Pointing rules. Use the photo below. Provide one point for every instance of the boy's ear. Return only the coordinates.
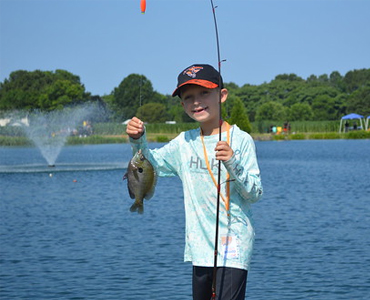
(224, 94)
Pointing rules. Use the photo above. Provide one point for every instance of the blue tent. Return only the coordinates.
(367, 123)
(352, 117)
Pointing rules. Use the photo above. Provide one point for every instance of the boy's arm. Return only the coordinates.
(164, 159)
(135, 128)
(140, 143)
(244, 172)
(137, 135)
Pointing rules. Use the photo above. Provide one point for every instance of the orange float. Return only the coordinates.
(143, 6)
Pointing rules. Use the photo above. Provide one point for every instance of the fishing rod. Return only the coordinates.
(219, 162)
(143, 8)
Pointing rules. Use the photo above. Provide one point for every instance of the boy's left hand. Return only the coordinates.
(223, 151)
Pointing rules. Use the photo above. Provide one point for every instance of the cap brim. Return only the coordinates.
(201, 82)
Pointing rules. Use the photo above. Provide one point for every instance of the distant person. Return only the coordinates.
(354, 126)
(285, 127)
(192, 156)
(346, 126)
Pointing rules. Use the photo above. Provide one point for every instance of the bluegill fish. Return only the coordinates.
(141, 181)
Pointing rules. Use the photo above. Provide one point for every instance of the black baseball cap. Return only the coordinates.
(199, 74)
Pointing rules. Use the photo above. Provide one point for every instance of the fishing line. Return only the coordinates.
(143, 7)
(219, 162)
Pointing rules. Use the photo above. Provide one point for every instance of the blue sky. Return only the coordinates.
(104, 41)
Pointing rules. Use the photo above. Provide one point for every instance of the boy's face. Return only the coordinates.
(201, 104)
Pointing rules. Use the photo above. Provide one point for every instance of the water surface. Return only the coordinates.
(67, 233)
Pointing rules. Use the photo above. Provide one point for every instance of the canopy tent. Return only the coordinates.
(367, 123)
(351, 117)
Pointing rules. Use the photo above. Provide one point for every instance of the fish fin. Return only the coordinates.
(134, 171)
(150, 193)
(132, 195)
(139, 207)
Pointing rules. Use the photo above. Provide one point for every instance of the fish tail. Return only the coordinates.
(139, 207)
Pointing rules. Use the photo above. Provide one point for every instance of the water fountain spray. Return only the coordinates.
(49, 130)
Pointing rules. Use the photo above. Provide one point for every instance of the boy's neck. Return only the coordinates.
(209, 129)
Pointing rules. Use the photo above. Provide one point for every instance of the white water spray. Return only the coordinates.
(49, 130)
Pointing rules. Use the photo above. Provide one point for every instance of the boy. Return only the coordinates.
(193, 156)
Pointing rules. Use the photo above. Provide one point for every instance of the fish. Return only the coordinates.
(141, 181)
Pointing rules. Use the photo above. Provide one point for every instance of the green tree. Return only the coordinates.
(355, 79)
(289, 77)
(312, 79)
(324, 108)
(359, 101)
(300, 112)
(239, 115)
(271, 111)
(307, 93)
(43, 90)
(336, 81)
(134, 91)
(324, 78)
(251, 96)
(59, 94)
(152, 113)
(231, 87)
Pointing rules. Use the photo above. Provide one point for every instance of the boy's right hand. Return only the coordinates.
(135, 128)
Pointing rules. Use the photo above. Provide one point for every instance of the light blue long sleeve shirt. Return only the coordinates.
(184, 157)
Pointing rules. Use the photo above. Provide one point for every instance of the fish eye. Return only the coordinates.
(140, 170)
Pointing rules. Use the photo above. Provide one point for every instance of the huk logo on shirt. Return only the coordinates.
(197, 163)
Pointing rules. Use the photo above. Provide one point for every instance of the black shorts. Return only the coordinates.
(230, 283)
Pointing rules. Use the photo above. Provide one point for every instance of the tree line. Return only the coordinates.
(286, 97)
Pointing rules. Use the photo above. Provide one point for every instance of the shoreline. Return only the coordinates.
(11, 141)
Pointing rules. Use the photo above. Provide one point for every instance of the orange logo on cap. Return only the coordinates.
(192, 71)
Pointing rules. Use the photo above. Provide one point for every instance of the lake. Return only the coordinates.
(67, 232)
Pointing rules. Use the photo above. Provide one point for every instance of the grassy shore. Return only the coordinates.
(166, 137)
(109, 133)
(360, 134)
